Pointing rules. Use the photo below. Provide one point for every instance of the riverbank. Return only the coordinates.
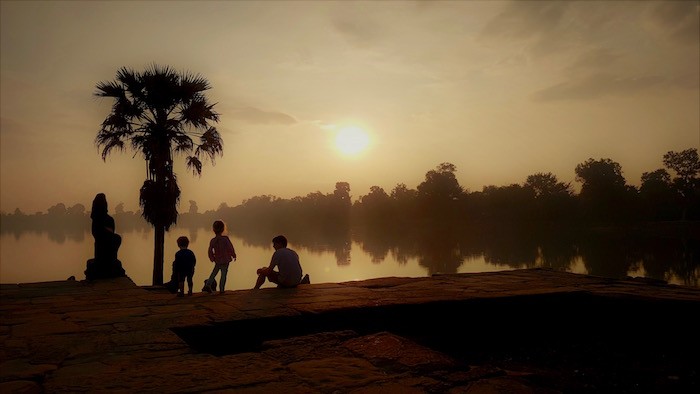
(528, 330)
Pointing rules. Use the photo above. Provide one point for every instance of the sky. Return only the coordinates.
(500, 89)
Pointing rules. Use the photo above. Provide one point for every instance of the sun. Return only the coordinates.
(351, 140)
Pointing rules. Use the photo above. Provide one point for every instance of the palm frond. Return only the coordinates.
(193, 84)
(210, 144)
(142, 143)
(109, 89)
(108, 144)
(194, 164)
(131, 81)
(197, 112)
(183, 143)
(161, 88)
(115, 122)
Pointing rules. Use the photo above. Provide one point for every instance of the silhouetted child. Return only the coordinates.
(183, 266)
(221, 253)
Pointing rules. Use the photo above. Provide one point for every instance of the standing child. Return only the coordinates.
(221, 253)
(183, 266)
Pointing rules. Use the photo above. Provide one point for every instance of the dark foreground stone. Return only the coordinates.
(526, 331)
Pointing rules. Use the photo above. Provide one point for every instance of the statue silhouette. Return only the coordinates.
(105, 263)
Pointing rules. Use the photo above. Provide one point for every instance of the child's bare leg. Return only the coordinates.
(181, 289)
(260, 281)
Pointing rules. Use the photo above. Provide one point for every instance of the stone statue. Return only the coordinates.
(105, 264)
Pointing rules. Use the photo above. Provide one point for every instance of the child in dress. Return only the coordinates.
(221, 253)
(183, 266)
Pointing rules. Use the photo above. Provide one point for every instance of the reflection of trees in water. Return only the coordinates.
(439, 252)
(342, 253)
(513, 248)
(558, 251)
(688, 266)
(669, 253)
(608, 255)
(435, 249)
(313, 239)
(664, 258)
(376, 243)
(58, 228)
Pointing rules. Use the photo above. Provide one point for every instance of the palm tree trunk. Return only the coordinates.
(158, 255)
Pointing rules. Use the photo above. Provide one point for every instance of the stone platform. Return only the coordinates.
(523, 331)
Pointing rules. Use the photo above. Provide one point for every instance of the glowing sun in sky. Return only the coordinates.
(351, 140)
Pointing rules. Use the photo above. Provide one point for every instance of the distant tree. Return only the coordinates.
(658, 196)
(553, 199)
(686, 165)
(441, 183)
(57, 210)
(401, 192)
(375, 208)
(160, 113)
(599, 176)
(438, 196)
(604, 192)
(339, 210)
(658, 177)
(376, 194)
(404, 202)
(508, 203)
(439, 193)
(342, 193)
(77, 210)
(223, 211)
(546, 185)
(193, 207)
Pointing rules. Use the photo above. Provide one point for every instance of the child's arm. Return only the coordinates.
(210, 251)
(233, 250)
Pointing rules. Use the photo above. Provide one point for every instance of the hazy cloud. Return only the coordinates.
(525, 19)
(595, 59)
(356, 28)
(555, 27)
(600, 85)
(679, 19)
(543, 27)
(258, 116)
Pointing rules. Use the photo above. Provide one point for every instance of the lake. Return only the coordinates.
(41, 256)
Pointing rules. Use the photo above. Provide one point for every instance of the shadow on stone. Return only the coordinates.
(617, 342)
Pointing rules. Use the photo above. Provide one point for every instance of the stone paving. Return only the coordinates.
(372, 336)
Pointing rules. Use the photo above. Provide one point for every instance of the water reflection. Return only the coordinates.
(606, 254)
(362, 253)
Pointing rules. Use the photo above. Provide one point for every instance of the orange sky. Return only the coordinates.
(500, 89)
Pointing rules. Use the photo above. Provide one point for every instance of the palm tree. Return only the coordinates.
(160, 113)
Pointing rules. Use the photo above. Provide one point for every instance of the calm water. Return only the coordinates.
(36, 257)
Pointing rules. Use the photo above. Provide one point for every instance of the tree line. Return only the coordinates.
(667, 194)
